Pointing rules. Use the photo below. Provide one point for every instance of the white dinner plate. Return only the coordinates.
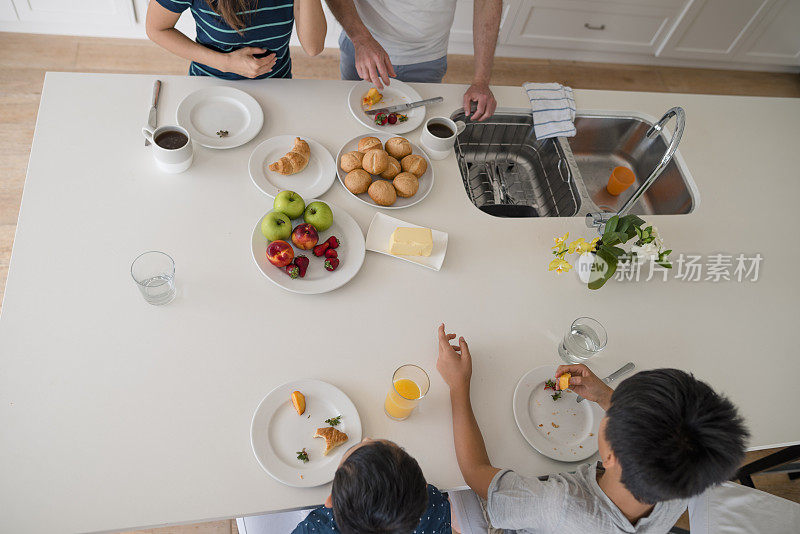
(351, 253)
(278, 433)
(564, 429)
(425, 181)
(394, 94)
(380, 233)
(208, 111)
(313, 181)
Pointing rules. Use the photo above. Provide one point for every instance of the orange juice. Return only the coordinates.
(402, 398)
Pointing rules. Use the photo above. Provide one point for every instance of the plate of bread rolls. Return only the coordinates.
(296, 163)
(385, 171)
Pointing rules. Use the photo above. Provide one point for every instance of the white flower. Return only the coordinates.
(648, 251)
(657, 238)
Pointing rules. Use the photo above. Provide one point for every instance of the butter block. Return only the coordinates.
(411, 242)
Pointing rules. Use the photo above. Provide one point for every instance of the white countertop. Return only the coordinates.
(117, 414)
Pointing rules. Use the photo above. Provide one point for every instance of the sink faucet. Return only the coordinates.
(598, 219)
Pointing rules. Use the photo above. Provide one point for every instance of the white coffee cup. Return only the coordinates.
(172, 160)
(436, 146)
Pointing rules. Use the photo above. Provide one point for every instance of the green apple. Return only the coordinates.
(319, 215)
(276, 225)
(290, 203)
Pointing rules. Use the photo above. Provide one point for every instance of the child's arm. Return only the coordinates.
(311, 25)
(456, 370)
(586, 384)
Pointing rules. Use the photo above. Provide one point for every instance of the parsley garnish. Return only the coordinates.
(556, 395)
(303, 455)
(333, 421)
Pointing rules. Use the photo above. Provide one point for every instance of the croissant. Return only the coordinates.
(295, 160)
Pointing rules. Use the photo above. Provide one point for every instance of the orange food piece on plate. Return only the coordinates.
(563, 381)
(299, 401)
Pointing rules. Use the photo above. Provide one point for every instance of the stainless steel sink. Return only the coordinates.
(508, 173)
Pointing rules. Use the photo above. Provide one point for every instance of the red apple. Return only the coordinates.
(305, 236)
(280, 253)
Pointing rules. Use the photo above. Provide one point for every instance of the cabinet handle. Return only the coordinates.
(590, 27)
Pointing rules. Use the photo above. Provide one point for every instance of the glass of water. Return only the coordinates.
(585, 338)
(154, 273)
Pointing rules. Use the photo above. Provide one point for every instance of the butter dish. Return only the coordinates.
(380, 233)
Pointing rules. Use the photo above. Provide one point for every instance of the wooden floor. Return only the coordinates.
(25, 58)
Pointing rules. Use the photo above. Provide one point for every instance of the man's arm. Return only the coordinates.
(372, 61)
(455, 366)
(485, 26)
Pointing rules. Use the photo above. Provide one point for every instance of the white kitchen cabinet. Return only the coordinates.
(619, 26)
(461, 31)
(7, 11)
(80, 12)
(776, 39)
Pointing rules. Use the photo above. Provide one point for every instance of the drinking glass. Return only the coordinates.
(586, 337)
(154, 273)
(409, 384)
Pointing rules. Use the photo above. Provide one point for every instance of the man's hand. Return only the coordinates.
(244, 63)
(480, 93)
(586, 384)
(372, 62)
(455, 362)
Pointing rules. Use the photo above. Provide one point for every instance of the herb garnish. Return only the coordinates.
(222, 133)
(303, 455)
(550, 384)
(333, 421)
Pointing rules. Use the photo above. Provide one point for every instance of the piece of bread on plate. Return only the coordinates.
(333, 438)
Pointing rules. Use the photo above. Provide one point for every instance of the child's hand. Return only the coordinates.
(586, 384)
(455, 362)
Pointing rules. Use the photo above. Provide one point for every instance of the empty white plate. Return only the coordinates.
(562, 429)
(351, 253)
(278, 433)
(425, 181)
(313, 181)
(380, 232)
(220, 108)
(394, 94)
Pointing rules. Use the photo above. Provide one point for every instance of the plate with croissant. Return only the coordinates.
(363, 96)
(385, 171)
(296, 163)
(300, 431)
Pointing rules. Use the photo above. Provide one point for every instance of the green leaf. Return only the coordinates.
(611, 225)
(611, 261)
(616, 251)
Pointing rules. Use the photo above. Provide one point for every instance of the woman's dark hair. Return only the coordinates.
(231, 11)
(672, 435)
(378, 489)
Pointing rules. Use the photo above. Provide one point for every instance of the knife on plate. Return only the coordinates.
(403, 107)
(151, 118)
(628, 367)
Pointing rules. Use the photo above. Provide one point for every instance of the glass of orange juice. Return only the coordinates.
(409, 384)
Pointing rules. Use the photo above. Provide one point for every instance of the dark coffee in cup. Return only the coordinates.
(440, 130)
(171, 140)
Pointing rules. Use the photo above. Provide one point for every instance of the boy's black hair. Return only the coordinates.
(672, 435)
(379, 489)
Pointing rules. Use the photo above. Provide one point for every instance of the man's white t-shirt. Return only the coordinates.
(411, 31)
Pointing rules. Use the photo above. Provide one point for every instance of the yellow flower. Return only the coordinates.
(582, 247)
(560, 241)
(559, 265)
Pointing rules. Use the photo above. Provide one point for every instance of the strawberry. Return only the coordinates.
(330, 253)
(302, 264)
(292, 270)
(319, 250)
(331, 264)
(333, 241)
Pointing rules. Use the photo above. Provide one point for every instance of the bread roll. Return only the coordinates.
(414, 164)
(368, 143)
(398, 147)
(357, 181)
(375, 161)
(351, 161)
(392, 168)
(406, 184)
(382, 193)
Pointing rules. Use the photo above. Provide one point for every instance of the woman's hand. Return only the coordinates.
(243, 63)
(455, 362)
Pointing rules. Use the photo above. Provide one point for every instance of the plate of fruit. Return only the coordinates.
(364, 97)
(300, 431)
(308, 248)
(385, 170)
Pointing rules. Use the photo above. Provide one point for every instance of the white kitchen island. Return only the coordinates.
(117, 414)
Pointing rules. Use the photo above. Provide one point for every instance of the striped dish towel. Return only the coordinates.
(553, 109)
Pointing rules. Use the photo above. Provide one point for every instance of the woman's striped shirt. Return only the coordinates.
(268, 25)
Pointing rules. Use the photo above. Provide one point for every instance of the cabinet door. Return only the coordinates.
(461, 31)
(776, 41)
(95, 12)
(7, 12)
(713, 29)
(590, 25)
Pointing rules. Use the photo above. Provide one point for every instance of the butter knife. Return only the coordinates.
(152, 119)
(403, 107)
(625, 369)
